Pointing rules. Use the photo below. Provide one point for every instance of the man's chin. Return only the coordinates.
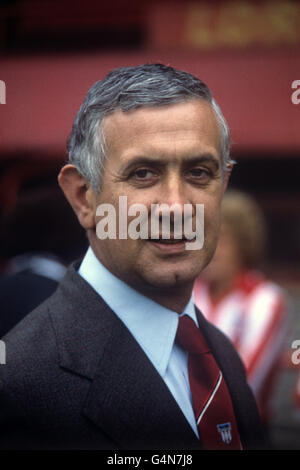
(168, 280)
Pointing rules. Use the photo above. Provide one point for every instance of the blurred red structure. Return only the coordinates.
(252, 87)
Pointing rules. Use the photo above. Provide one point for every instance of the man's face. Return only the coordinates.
(161, 155)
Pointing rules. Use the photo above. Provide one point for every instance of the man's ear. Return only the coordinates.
(227, 176)
(79, 194)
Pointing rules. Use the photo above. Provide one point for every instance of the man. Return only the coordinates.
(99, 365)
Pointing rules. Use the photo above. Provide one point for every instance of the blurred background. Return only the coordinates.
(248, 52)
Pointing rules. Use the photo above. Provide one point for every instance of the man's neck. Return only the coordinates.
(174, 298)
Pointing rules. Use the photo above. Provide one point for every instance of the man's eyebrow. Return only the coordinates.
(205, 158)
(142, 161)
(188, 161)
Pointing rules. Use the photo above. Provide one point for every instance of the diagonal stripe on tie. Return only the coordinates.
(211, 399)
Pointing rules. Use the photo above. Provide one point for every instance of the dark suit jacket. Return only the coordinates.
(75, 378)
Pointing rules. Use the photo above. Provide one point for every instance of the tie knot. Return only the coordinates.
(190, 337)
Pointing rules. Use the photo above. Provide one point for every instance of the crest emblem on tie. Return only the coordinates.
(225, 430)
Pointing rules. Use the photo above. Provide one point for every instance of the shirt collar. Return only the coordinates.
(152, 325)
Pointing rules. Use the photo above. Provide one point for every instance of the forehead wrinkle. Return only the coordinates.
(153, 153)
(166, 139)
(159, 146)
(145, 118)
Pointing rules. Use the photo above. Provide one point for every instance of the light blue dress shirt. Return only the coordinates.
(152, 325)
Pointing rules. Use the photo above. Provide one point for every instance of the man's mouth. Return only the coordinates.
(171, 239)
(165, 241)
(170, 245)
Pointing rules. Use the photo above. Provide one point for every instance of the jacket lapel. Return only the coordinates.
(127, 399)
(131, 402)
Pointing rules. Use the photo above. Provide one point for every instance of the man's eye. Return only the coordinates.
(143, 177)
(199, 173)
(199, 176)
(142, 174)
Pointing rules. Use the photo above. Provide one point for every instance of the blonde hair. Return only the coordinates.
(245, 220)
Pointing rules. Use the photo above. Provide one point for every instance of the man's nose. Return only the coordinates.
(173, 192)
(173, 199)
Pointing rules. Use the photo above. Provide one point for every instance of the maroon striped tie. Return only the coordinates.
(211, 400)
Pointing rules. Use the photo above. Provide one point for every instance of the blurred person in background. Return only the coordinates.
(235, 295)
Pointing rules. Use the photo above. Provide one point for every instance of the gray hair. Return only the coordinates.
(129, 88)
